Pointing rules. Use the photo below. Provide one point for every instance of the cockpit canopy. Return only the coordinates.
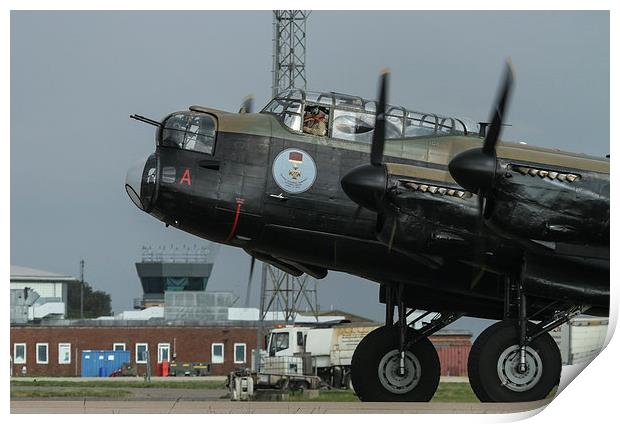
(353, 118)
(189, 130)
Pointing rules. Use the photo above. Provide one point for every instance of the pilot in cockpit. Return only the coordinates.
(315, 121)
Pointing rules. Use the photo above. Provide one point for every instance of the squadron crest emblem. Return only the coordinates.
(294, 170)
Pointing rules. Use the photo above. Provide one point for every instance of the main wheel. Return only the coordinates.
(493, 365)
(375, 368)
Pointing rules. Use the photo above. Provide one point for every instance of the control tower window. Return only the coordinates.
(189, 131)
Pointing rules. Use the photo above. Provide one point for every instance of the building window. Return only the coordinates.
(141, 353)
(239, 353)
(217, 353)
(118, 346)
(19, 353)
(163, 352)
(64, 353)
(42, 351)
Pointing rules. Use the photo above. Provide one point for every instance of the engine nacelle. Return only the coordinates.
(549, 205)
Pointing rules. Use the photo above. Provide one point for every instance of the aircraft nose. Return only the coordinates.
(133, 182)
(141, 182)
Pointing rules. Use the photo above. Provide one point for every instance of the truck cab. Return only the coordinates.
(287, 341)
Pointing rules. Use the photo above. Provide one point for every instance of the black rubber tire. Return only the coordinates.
(486, 351)
(368, 355)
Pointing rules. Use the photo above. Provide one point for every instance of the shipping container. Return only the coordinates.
(102, 363)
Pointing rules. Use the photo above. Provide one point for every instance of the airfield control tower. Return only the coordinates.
(174, 269)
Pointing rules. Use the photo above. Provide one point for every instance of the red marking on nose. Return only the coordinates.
(186, 178)
(233, 229)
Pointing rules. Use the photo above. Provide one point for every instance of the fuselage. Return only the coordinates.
(276, 193)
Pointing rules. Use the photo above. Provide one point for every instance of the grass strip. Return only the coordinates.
(121, 384)
(21, 393)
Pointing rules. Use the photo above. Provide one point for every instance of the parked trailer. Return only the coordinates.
(244, 384)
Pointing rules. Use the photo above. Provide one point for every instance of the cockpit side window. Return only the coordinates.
(354, 126)
(289, 112)
(189, 131)
(360, 126)
(316, 120)
(419, 125)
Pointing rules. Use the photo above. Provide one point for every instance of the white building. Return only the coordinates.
(37, 294)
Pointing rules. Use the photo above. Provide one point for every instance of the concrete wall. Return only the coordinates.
(197, 305)
(193, 344)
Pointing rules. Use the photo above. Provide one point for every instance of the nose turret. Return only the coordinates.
(141, 182)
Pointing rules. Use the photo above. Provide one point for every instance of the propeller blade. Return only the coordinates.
(366, 185)
(501, 106)
(474, 169)
(248, 105)
(378, 137)
(247, 292)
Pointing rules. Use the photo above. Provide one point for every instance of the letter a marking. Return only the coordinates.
(186, 178)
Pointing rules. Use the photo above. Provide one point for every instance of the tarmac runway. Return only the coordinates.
(229, 407)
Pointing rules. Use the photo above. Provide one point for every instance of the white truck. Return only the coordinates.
(581, 339)
(299, 354)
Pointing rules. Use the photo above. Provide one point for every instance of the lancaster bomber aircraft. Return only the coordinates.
(438, 211)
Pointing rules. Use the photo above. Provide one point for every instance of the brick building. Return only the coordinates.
(453, 348)
(56, 350)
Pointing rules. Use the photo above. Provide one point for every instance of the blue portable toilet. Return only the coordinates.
(102, 363)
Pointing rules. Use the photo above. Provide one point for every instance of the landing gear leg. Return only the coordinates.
(515, 360)
(389, 305)
(402, 327)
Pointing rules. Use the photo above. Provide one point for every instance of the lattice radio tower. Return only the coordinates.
(289, 50)
(287, 294)
(280, 291)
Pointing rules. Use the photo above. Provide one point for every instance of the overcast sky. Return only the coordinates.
(76, 77)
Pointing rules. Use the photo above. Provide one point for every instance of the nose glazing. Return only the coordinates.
(133, 182)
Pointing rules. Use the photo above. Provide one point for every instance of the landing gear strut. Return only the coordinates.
(396, 363)
(516, 360)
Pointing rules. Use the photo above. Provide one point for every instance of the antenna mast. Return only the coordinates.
(289, 50)
(280, 291)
